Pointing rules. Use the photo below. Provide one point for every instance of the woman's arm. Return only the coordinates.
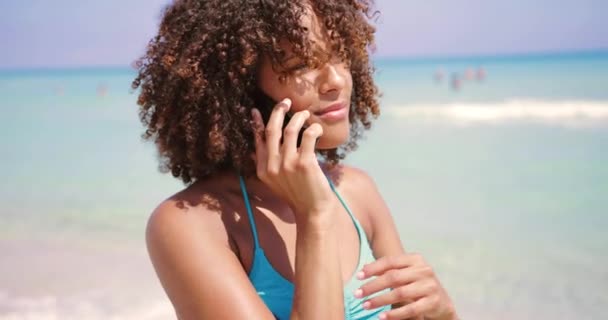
(318, 279)
(202, 276)
(204, 279)
(293, 173)
(394, 266)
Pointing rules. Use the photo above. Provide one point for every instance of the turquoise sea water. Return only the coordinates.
(502, 185)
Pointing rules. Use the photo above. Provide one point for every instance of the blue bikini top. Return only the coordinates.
(277, 292)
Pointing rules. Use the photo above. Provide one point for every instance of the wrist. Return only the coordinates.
(311, 223)
(318, 219)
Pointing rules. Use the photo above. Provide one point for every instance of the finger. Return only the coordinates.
(260, 147)
(392, 279)
(386, 263)
(309, 139)
(274, 131)
(412, 291)
(410, 311)
(290, 134)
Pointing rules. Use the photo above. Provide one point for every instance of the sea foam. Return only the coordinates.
(561, 113)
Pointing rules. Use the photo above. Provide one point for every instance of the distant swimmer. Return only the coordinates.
(469, 74)
(456, 81)
(481, 74)
(439, 75)
(102, 90)
(59, 90)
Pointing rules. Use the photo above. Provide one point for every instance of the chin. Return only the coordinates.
(334, 136)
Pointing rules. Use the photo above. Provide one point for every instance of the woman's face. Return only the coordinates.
(315, 90)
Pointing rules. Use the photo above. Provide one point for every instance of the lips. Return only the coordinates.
(333, 113)
(331, 108)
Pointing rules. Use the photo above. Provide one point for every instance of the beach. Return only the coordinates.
(500, 183)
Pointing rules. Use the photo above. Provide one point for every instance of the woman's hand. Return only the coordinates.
(292, 173)
(415, 289)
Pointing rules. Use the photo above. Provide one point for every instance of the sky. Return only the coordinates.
(76, 33)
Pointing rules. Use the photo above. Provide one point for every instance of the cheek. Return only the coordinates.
(349, 80)
(303, 100)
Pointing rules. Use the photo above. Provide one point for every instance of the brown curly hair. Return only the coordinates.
(198, 76)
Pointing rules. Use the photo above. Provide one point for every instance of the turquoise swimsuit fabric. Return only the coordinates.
(277, 292)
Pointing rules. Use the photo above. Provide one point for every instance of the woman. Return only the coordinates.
(270, 225)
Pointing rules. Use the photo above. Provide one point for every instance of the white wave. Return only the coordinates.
(568, 113)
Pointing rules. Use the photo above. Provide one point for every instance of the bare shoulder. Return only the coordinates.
(358, 178)
(187, 214)
(357, 183)
(358, 189)
(374, 213)
(188, 245)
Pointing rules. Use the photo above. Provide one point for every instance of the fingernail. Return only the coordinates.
(382, 316)
(360, 275)
(358, 293)
(287, 103)
(366, 305)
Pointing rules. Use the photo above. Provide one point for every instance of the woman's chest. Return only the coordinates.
(277, 238)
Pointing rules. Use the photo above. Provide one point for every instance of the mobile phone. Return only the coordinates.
(266, 104)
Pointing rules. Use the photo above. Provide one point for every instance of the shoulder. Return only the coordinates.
(373, 213)
(188, 244)
(360, 191)
(187, 213)
(356, 183)
(359, 178)
(353, 180)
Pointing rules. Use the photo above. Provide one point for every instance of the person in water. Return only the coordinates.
(270, 224)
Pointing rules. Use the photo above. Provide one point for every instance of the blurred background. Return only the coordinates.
(492, 152)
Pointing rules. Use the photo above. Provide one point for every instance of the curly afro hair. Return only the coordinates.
(198, 76)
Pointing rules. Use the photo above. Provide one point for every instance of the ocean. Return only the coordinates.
(495, 170)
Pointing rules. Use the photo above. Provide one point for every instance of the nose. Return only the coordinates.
(332, 78)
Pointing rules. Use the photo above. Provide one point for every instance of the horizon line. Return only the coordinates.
(386, 58)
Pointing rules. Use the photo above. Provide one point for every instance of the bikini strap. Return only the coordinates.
(249, 212)
(333, 188)
(252, 220)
